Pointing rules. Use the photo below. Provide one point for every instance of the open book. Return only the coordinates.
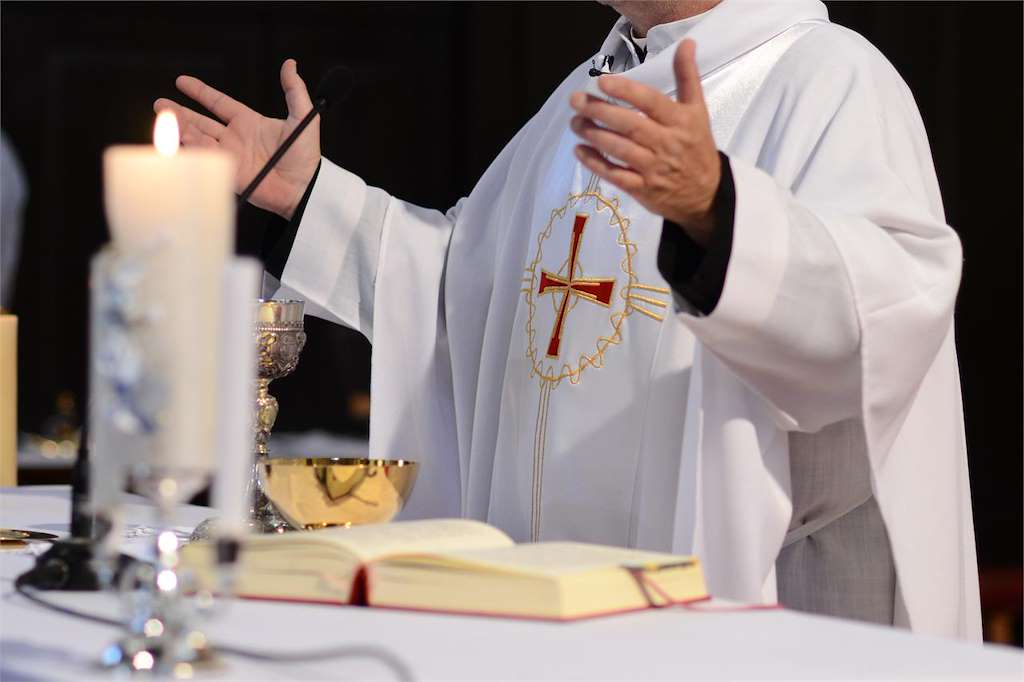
(457, 566)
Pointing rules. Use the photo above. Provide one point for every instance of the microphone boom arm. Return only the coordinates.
(318, 107)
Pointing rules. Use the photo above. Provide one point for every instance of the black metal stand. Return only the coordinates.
(68, 564)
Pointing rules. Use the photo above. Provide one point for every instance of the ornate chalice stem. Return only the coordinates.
(266, 415)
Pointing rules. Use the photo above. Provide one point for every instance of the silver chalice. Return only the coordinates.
(279, 337)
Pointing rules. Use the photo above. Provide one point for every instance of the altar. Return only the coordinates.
(673, 643)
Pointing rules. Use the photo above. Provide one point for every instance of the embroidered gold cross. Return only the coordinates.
(594, 289)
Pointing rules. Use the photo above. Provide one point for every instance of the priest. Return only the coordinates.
(701, 303)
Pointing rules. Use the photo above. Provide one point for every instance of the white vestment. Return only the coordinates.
(528, 352)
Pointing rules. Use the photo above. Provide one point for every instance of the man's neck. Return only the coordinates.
(644, 15)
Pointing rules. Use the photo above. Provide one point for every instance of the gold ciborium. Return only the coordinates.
(320, 492)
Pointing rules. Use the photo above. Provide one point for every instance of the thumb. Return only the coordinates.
(295, 92)
(688, 90)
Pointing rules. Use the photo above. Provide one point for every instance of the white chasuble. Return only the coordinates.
(528, 352)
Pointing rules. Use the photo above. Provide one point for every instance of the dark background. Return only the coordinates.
(441, 87)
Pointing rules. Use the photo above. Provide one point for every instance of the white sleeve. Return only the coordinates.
(334, 260)
(843, 274)
(367, 260)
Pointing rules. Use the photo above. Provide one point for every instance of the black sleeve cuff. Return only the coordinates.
(694, 272)
(279, 236)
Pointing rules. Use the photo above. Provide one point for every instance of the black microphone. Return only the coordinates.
(81, 515)
(601, 64)
(334, 87)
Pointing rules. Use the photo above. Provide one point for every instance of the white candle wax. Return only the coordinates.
(235, 410)
(174, 211)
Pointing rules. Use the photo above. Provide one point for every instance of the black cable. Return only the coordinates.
(381, 655)
(318, 107)
(21, 586)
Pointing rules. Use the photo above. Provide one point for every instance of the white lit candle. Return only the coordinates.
(173, 210)
(163, 194)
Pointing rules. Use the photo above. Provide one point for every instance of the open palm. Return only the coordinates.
(252, 138)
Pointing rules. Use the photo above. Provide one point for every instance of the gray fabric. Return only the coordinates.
(843, 570)
(12, 200)
(836, 558)
(829, 474)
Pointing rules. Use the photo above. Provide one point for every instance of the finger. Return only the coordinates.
(645, 98)
(624, 178)
(688, 89)
(633, 124)
(296, 94)
(192, 136)
(223, 107)
(186, 117)
(612, 144)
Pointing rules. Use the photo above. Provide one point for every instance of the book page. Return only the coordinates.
(553, 558)
(413, 537)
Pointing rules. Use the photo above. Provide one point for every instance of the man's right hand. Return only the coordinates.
(252, 138)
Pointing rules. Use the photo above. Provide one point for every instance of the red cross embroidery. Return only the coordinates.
(593, 289)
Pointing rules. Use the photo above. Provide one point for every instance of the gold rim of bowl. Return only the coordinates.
(343, 461)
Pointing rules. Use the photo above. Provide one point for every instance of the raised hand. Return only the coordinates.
(671, 162)
(252, 138)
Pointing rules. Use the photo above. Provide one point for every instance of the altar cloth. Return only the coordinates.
(38, 644)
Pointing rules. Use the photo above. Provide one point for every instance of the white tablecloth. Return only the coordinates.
(37, 644)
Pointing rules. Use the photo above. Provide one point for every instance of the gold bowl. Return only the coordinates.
(324, 491)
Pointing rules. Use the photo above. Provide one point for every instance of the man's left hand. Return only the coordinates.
(671, 164)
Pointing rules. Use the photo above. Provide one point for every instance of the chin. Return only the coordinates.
(620, 5)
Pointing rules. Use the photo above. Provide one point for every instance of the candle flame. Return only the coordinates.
(165, 133)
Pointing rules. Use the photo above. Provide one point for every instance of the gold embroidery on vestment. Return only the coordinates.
(648, 299)
(647, 287)
(644, 311)
(548, 369)
(539, 438)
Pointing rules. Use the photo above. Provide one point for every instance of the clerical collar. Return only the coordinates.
(658, 38)
(637, 46)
